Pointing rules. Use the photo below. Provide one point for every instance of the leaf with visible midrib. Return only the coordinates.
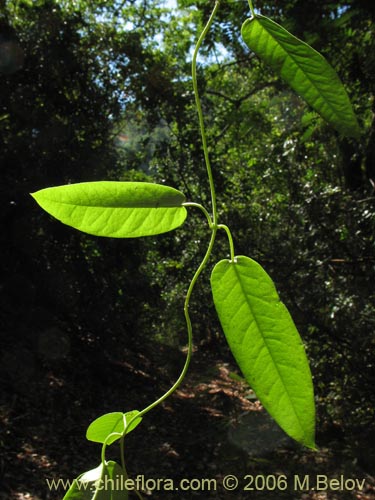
(114, 422)
(115, 209)
(266, 344)
(304, 69)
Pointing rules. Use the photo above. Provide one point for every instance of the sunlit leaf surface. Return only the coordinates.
(304, 69)
(115, 422)
(115, 209)
(265, 344)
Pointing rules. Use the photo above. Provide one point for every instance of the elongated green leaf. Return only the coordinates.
(115, 209)
(115, 422)
(265, 344)
(106, 482)
(304, 69)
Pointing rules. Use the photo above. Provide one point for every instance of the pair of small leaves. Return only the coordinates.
(115, 209)
(266, 344)
(106, 482)
(304, 69)
(110, 427)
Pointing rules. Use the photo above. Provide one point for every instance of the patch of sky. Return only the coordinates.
(113, 15)
(341, 10)
(336, 11)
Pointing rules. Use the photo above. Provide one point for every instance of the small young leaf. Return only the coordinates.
(115, 209)
(104, 425)
(265, 344)
(304, 69)
(114, 422)
(106, 482)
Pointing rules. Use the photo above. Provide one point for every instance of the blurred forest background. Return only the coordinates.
(101, 90)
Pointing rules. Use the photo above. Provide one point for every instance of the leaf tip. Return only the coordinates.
(357, 133)
(310, 443)
(37, 196)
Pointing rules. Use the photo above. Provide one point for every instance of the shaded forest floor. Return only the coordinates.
(210, 428)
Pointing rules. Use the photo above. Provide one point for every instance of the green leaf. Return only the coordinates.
(265, 344)
(105, 425)
(129, 417)
(115, 209)
(114, 422)
(304, 69)
(106, 482)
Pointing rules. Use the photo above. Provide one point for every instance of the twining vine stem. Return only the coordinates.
(200, 113)
(212, 223)
(250, 2)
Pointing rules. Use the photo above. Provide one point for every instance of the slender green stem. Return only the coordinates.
(200, 113)
(190, 332)
(201, 207)
(97, 490)
(103, 452)
(212, 223)
(252, 10)
(105, 444)
(190, 336)
(229, 234)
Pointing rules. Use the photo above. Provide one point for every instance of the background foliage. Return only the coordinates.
(101, 90)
